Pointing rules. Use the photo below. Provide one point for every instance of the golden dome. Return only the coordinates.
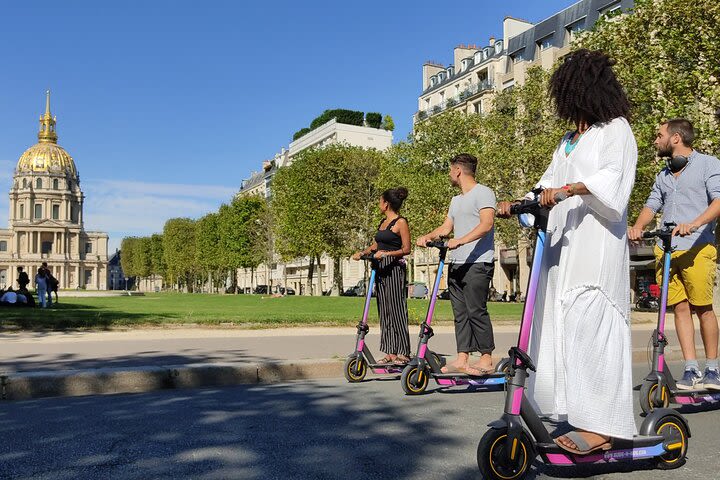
(47, 155)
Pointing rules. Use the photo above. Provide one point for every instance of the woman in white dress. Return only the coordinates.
(581, 328)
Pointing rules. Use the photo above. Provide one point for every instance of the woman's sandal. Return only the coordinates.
(584, 447)
(401, 360)
(386, 360)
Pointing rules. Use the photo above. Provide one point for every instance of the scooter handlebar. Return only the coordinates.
(368, 257)
(532, 206)
(440, 244)
(661, 232)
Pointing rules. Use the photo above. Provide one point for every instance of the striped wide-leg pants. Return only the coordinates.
(391, 293)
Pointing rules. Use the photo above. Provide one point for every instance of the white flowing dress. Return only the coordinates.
(581, 329)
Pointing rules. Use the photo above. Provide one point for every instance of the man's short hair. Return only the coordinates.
(682, 127)
(467, 162)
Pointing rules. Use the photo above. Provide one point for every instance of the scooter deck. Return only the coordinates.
(384, 368)
(639, 447)
(453, 379)
(692, 397)
(465, 375)
(695, 391)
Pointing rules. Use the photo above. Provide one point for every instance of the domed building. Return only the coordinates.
(46, 218)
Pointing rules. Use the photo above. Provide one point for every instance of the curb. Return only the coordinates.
(104, 381)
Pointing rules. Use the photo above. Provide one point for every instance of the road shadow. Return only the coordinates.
(308, 431)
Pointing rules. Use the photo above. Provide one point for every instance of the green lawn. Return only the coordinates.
(248, 311)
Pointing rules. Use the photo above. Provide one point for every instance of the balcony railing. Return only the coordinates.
(473, 90)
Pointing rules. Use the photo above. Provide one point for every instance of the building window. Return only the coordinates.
(56, 184)
(22, 210)
(486, 53)
(38, 210)
(477, 58)
(3, 246)
(74, 214)
(24, 182)
(508, 85)
(498, 47)
(88, 247)
(611, 9)
(38, 183)
(517, 56)
(479, 107)
(545, 43)
(56, 212)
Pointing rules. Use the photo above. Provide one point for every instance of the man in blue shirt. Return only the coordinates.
(688, 193)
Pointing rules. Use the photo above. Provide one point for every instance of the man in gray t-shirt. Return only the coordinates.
(471, 219)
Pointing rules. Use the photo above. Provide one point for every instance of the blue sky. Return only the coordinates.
(167, 105)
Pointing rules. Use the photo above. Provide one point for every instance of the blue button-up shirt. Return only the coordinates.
(683, 198)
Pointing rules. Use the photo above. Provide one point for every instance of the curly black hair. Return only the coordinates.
(585, 88)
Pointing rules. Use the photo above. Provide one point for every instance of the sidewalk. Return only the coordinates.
(35, 364)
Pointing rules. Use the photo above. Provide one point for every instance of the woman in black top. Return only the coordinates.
(392, 243)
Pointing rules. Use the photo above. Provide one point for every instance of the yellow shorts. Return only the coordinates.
(692, 274)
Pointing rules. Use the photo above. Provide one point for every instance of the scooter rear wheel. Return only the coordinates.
(414, 380)
(496, 463)
(673, 430)
(648, 391)
(355, 369)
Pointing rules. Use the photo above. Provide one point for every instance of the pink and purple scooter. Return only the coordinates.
(509, 448)
(358, 362)
(659, 389)
(416, 375)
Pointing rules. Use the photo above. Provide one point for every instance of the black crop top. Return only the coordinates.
(387, 239)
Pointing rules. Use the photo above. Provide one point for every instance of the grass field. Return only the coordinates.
(248, 311)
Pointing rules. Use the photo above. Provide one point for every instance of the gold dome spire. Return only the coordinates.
(47, 132)
(47, 155)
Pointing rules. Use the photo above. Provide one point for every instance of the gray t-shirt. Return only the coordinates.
(465, 214)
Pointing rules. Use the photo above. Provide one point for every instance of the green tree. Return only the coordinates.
(157, 255)
(667, 54)
(236, 223)
(179, 251)
(388, 123)
(208, 253)
(127, 254)
(324, 203)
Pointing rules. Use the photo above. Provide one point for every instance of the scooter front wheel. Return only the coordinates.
(499, 461)
(355, 369)
(648, 394)
(673, 430)
(503, 366)
(414, 380)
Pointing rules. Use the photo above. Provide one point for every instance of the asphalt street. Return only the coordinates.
(306, 430)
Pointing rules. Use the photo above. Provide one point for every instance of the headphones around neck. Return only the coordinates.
(676, 163)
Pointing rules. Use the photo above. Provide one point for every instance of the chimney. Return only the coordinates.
(492, 41)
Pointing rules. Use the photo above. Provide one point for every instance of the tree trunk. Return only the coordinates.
(310, 276)
(337, 277)
(319, 291)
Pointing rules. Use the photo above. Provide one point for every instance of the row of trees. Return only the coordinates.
(324, 203)
(208, 251)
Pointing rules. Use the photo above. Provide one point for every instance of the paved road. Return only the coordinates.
(303, 430)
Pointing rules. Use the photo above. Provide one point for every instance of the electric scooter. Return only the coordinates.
(416, 375)
(659, 388)
(509, 447)
(358, 362)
